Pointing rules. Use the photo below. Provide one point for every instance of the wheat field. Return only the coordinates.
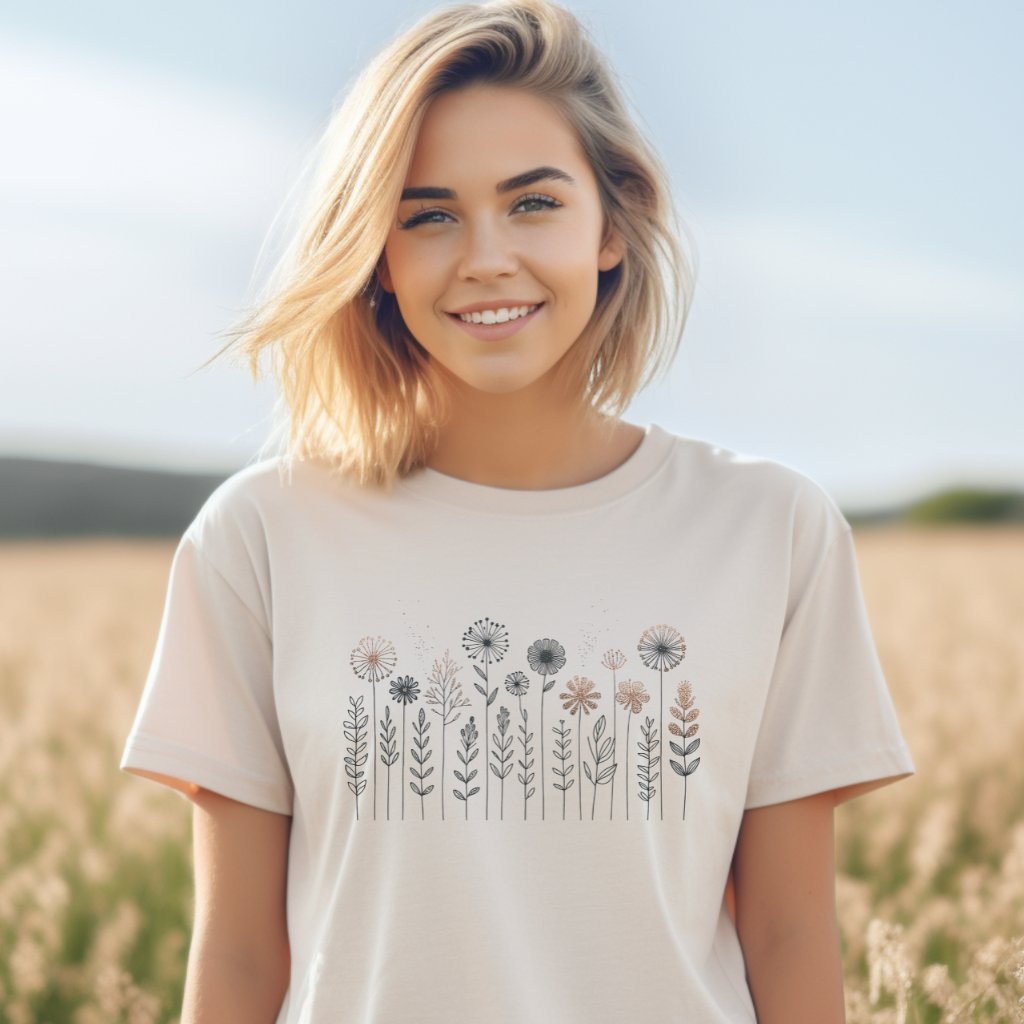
(95, 865)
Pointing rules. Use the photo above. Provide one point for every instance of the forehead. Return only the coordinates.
(488, 133)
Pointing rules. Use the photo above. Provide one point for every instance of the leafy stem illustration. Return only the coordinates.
(388, 750)
(502, 753)
(648, 759)
(421, 728)
(601, 752)
(354, 732)
(466, 756)
(684, 710)
(563, 751)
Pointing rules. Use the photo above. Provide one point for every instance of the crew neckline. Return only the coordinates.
(644, 462)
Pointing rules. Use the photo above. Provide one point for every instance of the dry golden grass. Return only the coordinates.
(95, 875)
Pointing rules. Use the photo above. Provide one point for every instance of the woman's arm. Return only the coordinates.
(784, 877)
(239, 960)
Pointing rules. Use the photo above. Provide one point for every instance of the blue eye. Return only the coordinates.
(427, 216)
(546, 202)
(422, 217)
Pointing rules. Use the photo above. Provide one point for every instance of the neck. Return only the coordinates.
(522, 441)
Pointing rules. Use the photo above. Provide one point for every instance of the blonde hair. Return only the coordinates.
(358, 390)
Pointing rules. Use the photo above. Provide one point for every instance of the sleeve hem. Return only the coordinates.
(887, 763)
(159, 755)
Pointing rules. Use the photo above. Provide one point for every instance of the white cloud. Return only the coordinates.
(133, 202)
(85, 131)
(821, 265)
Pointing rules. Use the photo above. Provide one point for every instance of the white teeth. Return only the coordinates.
(496, 316)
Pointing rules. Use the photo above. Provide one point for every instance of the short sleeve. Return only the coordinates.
(829, 722)
(207, 713)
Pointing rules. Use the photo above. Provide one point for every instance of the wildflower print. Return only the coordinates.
(502, 753)
(419, 743)
(563, 752)
(388, 749)
(601, 752)
(632, 696)
(646, 762)
(353, 730)
(517, 684)
(486, 641)
(445, 693)
(405, 690)
(580, 695)
(662, 648)
(546, 657)
(684, 710)
(466, 755)
(373, 658)
(614, 660)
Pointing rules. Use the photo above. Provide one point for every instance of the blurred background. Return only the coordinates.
(850, 176)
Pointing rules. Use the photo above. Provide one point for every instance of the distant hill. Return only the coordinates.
(48, 498)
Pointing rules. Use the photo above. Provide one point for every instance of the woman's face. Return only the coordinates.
(469, 236)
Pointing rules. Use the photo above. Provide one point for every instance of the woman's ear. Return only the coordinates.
(613, 249)
(384, 275)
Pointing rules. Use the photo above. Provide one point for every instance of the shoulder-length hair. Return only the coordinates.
(358, 391)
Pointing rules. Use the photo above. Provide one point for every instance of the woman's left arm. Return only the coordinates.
(784, 877)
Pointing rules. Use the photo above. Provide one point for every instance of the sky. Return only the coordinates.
(849, 175)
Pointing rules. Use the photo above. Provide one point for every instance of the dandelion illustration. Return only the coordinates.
(580, 694)
(546, 657)
(684, 710)
(601, 752)
(466, 755)
(502, 753)
(445, 693)
(353, 730)
(388, 749)
(563, 751)
(373, 658)
(405, 690)
(632, 696)
(517, 684)
(613, 660)
(646, 762)
(661, 647)
(419, 743)
(486, 641)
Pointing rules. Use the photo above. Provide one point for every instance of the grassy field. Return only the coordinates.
(95, 866)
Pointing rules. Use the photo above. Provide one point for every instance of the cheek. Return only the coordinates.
(411, 272)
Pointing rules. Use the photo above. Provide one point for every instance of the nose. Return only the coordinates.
(486, 253)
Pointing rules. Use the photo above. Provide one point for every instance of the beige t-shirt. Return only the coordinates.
(517, 730)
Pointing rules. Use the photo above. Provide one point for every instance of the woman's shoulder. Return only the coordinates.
(232, 520)
(757, 484)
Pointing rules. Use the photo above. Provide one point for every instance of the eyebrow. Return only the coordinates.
(508, 185)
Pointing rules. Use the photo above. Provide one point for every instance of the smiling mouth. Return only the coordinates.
(498, 315)
(497, 330)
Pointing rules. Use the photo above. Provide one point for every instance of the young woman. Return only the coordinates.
(493, 706)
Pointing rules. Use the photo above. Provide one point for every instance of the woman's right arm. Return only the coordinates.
(239, 961)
